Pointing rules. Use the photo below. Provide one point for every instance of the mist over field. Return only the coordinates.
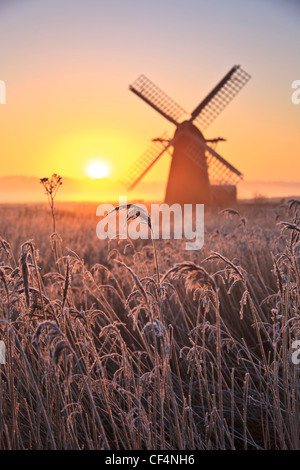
(17, 189)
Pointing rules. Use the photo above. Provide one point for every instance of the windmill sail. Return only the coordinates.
(220, 170)
(143, 164)
(195, 167)
(157, 99)
(220, 97)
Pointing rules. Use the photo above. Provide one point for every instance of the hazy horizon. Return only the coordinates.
(67, 67)
(20, 188)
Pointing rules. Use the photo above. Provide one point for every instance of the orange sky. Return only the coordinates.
(67, 66)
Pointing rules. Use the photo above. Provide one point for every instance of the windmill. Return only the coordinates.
(198, 174)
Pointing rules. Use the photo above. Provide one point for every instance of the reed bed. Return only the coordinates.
(104, 354)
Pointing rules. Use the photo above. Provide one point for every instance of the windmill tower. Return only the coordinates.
(198, 174)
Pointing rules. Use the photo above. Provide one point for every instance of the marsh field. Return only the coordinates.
(102, 353)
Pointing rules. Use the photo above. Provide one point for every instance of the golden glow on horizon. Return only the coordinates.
(65, 120)
(97, 169)
(71, 152)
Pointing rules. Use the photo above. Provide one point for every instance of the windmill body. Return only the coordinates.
(188, 181)
(198, 174)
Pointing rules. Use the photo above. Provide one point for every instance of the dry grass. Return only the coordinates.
(100, 355)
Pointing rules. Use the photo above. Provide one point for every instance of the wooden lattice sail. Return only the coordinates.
(196, 168)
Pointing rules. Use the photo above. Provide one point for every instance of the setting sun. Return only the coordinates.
(97, 169)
